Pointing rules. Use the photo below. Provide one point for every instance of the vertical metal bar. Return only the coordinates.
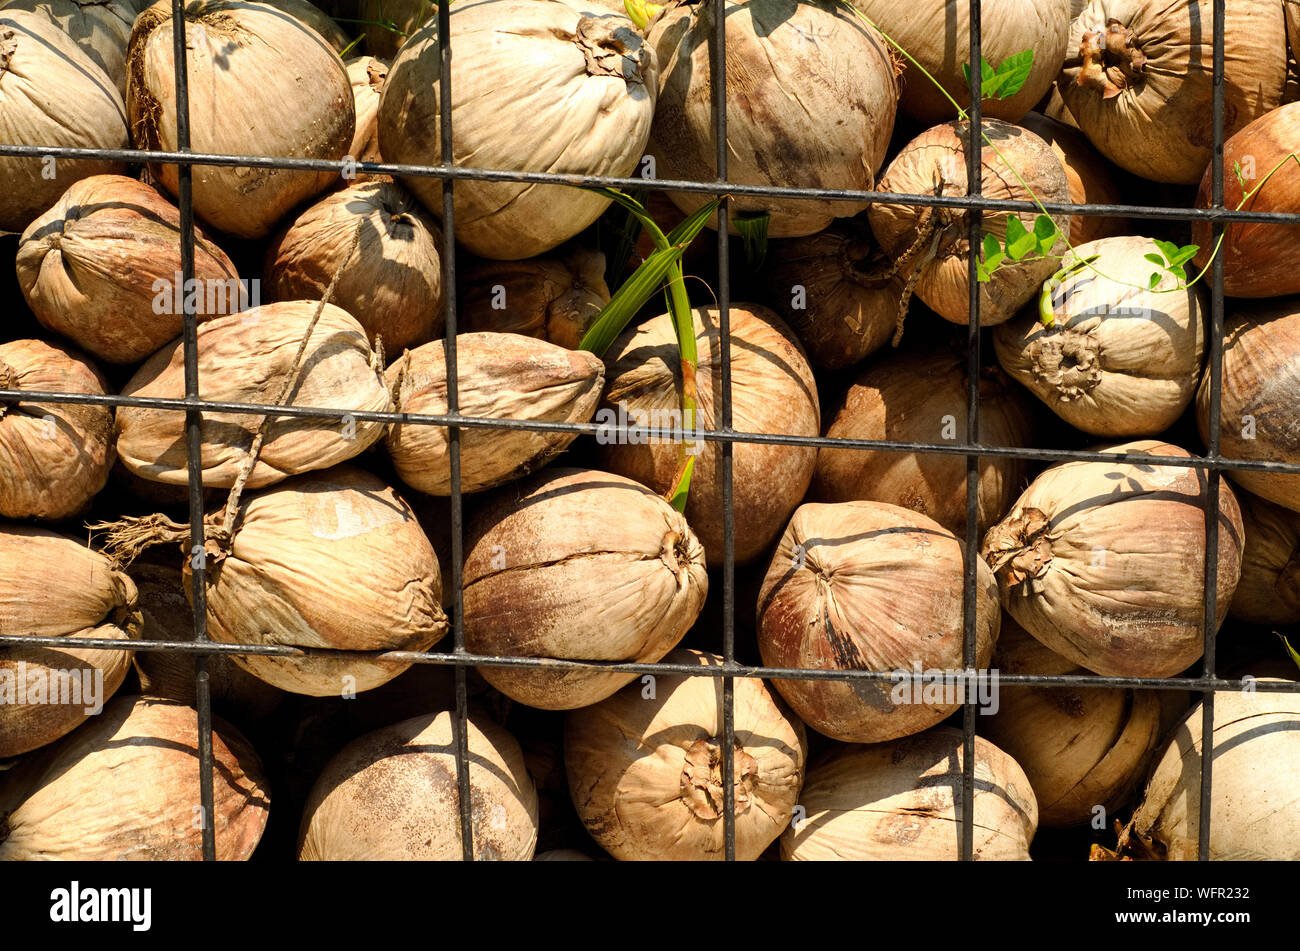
(193, 432)
(974, 170)
(1212, 474)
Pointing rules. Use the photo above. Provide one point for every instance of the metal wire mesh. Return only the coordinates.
(203, 648)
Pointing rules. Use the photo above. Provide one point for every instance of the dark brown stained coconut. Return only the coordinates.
(772, 391)
(260, 83)
(1104, 562)
(902, 801)
(51, 94)
(391, 283)
(332, 560)
(103, 268)
(922, 397)
(52, 585)
(100, 28)
(126, 787)
(868, 586)
(504, 376)
(406, 16)
(393, 795)
(1269, 590)
(54, 457)
(579, 564)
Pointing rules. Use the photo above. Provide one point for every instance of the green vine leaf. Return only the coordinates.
(1020, 242)
(1047, 233)
(1007, 79)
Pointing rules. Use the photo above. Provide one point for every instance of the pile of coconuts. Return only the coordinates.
(833, 516)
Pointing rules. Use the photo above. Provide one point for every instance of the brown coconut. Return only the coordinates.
(103, 268)
(332, 560)
(367, 75)
(389, 279)
(772, 391)
(1105, 562)
(1269, 590)
(393, 795)
(1122, 358)
(261, 83)
(869, 586)
(55, 95)
(582, 565)
(126, 787)
(902, 801)
(504, 376)
(247, 358)
(388, 23)
(1091, 179)
(645, 766)
(555, 296)
(314, 17)
(932, 245)
(923, 397)
(101, 28)
(54, 586)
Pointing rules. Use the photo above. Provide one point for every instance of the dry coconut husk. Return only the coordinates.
(772, 391)
(126, 787)
(55, 95)
(101, 28)
(1138, 79)
(54, 457)
(902, 801)
(1090, 177)
(388, 23)
(830, 289)
(1259, 415)
(869, 586)
(555, 296)
(367, 75)
(390, 279)
(504, 376)
(314, 17)
(1080, 747)
(393, 795)
(1259, 260)
(1254, 797)
(103, 268)
(645, 766)
(260, 83)
(1084, 531)
(582, 106)
(54, 586)
(936, 33)
(931, 246)
(1269, 590)
(251, 358)
(780, 129)
(583, 565)
(333, 560)
(1122, 358)
(923, 397)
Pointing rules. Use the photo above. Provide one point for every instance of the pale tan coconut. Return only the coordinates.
(870, 586)
(1119, 360)
(1105, 562)
(367, 75)
(391, 22)
(582, 106)
(103, 268)
(902, 801)
(314, 17)
(936, 33)
(1090, 177)
(55, 95)
(800, 112)
(126, 787)
(1080, 747)
(645, 766)
(583, 565)
(772, 391)
(1254, 793)
(331, 560)
(247, 358)
(923, 397)
(100, 27)
(504, 376)
(555, 296)
(54, 586)
(932, 245)
(391, 281)
(260, 83)
(1269, 590)
(393, 795)
(1138, 79)
(54, 457)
